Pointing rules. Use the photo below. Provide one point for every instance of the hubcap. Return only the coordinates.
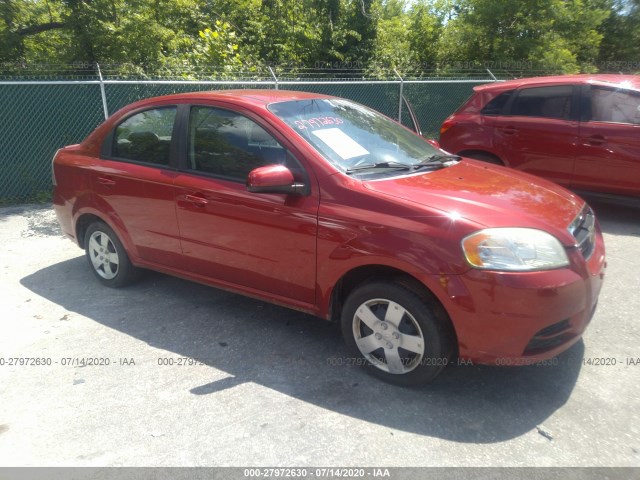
(103, 254)
(388, 336)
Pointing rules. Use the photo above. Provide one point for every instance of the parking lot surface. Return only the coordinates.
(172, 373)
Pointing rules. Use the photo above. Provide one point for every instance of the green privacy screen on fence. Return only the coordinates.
(37, 118)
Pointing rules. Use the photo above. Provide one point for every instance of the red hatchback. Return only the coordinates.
(325, 206)
(581, 131)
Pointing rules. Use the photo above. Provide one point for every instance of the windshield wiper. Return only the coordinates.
(372, 166)
(440, 157)
(436, 161)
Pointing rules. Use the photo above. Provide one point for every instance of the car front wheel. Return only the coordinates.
(107, 257)
(485, 157)
(397, 332)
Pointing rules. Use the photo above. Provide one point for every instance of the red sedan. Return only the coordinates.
(325, 206)
(581, 131)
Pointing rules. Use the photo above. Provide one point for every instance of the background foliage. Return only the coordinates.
(154, 37)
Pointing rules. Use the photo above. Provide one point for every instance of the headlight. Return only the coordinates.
(514, 249)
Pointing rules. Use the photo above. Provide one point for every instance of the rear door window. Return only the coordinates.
(544, 102)
(145, 137)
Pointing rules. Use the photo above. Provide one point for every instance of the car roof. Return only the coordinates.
(257, 97)
(625, 81)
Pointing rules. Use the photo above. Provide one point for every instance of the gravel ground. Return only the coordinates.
(201, 377)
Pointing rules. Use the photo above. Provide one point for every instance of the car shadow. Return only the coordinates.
(305, 358)
(616, 218)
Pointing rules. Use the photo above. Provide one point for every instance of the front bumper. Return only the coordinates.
(508, 318)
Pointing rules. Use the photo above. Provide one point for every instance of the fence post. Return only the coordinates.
(103, 93)
(401, 95)
(274, 76)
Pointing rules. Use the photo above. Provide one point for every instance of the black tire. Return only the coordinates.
(107, 257)
(413, 347)
(484, 157)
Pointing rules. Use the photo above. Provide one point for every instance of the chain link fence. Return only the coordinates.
(40, 116)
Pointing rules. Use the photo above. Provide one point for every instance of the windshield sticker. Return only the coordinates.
(317, 122)
(341, 143)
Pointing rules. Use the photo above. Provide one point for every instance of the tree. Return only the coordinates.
(556, 34)
(64, 31)
(392, 48)
(426, 25)
(21, 21)
(217, 48)
(620, 45)
(156, 36)
(336, 34)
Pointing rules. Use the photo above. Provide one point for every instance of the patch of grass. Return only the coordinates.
(42, 196)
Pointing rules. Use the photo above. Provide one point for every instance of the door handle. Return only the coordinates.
(106, 181)
(196, 200)
(596, 140)
(509, 130)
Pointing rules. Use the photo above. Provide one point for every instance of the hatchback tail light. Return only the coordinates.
(53, 173)
(446, 125)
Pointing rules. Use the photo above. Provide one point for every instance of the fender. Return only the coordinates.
(91, 204)
(372, 251)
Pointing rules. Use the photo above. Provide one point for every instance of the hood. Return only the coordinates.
(489, 195)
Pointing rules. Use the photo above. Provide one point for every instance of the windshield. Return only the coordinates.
(354, 137)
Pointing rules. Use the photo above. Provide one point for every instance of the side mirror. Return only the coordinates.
(273, 179)
(434, 143)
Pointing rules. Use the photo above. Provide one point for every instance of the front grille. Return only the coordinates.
(583, 229)
(549, 338)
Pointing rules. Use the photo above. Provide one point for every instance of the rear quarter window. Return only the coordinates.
(497, 105)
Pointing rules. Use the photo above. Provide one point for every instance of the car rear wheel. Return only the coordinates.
(396, 332)
(107, 257)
